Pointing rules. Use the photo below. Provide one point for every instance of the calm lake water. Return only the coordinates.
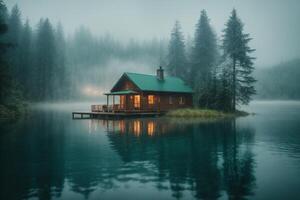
(48, 155)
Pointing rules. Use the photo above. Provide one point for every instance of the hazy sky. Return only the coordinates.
(274, 24)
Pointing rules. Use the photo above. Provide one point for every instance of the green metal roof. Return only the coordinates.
(121, 92)
(151, 83)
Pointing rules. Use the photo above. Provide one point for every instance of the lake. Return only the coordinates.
(47, 155)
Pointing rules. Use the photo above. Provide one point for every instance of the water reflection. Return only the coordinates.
(32, 165)
(209, 159)
(56, 158)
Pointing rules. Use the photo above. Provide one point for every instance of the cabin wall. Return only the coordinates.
(162, 101)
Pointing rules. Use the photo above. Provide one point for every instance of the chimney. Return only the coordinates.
(160, 74)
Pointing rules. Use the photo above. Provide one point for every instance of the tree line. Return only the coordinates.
(279, 82)
(45, 65)
(220, 74)
(35, 59)
(41, 64)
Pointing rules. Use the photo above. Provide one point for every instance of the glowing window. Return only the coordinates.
(150, 99)
(122, 101)
(137, 101)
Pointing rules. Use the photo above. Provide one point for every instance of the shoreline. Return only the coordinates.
(12, 112)
(197, 113)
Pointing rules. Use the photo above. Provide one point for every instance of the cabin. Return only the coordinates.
(134, 93)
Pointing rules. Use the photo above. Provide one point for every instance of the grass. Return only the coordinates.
(203, 113)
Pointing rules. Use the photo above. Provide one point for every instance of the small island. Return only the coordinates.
(204, 113)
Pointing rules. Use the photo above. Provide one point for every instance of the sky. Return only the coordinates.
(273, 24)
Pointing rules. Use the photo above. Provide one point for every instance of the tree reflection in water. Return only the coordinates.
(205, 160)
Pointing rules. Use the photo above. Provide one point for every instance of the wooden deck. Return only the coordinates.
(92, 115)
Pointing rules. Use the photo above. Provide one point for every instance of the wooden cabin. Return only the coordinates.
(147, 93)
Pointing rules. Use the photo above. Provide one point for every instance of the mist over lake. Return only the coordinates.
(139, 99)
(49, 155)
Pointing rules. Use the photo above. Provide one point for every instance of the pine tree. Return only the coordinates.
(223, 86)
(45, 60)
(10, 96)
(61, 81)
(203, 61)
(177, 63)
(5, 78)
(13, 37)
(235, 46)
(26, 58)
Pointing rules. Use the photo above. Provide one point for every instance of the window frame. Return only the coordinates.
(181, 100)
(151, 101)
(171, 100)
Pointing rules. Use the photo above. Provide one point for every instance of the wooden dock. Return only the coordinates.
(93, 115)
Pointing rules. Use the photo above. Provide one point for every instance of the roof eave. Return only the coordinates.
(124, 75)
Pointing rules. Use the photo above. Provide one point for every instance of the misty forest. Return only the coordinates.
(40, 63)
(140, 99)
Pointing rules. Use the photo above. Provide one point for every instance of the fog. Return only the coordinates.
(272, 23)
(77, 49)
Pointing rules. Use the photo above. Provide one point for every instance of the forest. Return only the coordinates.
(39, 63)
(279, 82)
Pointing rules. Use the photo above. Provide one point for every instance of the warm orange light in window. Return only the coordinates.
(137, 101)
(150, 128)
(122, 101)
(150, 99)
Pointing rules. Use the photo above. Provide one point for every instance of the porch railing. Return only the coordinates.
(105, 108)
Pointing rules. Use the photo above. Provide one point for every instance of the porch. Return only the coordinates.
(126, 101)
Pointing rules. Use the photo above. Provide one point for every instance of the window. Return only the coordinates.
(170, 100)
(137, 101)
(181, 100)
(150, 99)
(122, 101)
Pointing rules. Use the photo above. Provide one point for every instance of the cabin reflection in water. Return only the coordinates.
(172, 160)
(210, 160)
(136, 127)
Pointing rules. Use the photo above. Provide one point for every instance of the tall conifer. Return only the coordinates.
(236, 48)
(203, 61)
(177, 64)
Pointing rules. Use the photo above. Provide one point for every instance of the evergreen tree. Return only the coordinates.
(13, 37)
(223, 86)
(10, 97)
(61, 81)
(177, 64)
(26, 58)
(5, 78)
(203, 62)
(45, 60)
(235, 46)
